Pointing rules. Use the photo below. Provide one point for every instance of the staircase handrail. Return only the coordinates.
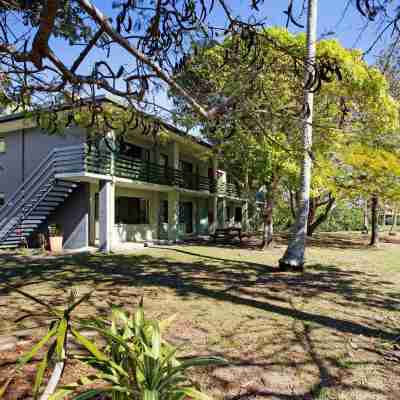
(47, 170)
(32, 182)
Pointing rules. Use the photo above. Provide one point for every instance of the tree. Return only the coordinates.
(156, 36)
(344, 110)
(294, 254)
(372, 171)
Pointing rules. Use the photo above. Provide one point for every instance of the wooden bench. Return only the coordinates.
(227, 234)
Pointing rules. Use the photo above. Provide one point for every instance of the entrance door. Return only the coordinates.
(188, 177)
(186, 216)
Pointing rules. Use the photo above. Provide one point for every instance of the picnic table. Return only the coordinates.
(227, 234)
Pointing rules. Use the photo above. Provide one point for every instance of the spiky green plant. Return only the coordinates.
(56, 342)
(134, 364)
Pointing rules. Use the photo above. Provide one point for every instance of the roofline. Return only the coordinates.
(117, 101)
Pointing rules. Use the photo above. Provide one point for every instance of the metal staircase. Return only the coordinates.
(38, 197)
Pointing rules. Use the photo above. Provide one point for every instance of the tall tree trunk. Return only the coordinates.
(268, 230)
(366, 223)
(312, 210)
(268, 213)
(294, 255)
(374, 221)
(292, 204)
(314, 224)
(394, 219)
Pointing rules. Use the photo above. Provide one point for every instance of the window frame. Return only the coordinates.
(124, 214)
(3, 148)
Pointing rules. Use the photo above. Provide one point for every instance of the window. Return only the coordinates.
(186, 167)
(238, 214)
(131, 211)
(2, 145)
(132, 151)
(164, 212)
(163, 160)
(96, 206)
(146, 155)
(186, 216)
(228, 213)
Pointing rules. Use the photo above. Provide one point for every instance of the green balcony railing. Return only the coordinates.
(229, 189)
(91, 160)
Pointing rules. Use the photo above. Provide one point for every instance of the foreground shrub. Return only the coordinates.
(135, 362)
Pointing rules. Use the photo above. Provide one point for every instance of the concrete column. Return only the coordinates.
(245, 216)
(106, 215)
(214, 166)
(156, 154)
(155, 215)
(223, 213)
(174, 155)
(92, 214)
(213, 204)
(173, 215)
(231, 221)
(195, 216)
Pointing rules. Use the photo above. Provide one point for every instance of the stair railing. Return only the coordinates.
(17, 207)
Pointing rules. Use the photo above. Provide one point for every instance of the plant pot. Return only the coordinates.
(56, 244)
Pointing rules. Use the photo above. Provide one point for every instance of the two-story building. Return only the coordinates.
(143, 191)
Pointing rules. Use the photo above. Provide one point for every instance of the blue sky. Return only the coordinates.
(344, 23)
(350, 30)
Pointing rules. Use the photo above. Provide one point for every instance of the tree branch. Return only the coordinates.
(98, 17)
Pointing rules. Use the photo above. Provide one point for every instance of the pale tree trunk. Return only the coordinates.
(394, 220)
(292, 204)
(374, 222)
(366, 223)
(294, 255)
(268, 230)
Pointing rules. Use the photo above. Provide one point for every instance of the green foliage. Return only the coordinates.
(55, 340)
(344, 217)
(135, 363)
(353, 116)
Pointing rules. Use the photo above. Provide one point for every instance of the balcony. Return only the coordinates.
(84, 159)
(229, 189)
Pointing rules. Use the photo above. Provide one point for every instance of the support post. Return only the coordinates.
(92, 216)
(223, 213)
(245, 216)
(155, 214)
(106, 215)
(173, 215)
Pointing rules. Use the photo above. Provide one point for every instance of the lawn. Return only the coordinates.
(329, 333)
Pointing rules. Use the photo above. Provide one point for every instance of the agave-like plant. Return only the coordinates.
(134, 364)
(56, 341)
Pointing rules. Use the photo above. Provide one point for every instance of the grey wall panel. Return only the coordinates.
(73, 218)
(36, 145)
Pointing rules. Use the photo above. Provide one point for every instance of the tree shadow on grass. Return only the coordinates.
(224, 280)
(253, 285)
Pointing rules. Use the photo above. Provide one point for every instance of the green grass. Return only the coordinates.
(312, 336)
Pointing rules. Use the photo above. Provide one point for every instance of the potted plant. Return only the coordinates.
(55, 238)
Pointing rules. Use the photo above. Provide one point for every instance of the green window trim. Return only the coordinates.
(132, 211)
(2, 145)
